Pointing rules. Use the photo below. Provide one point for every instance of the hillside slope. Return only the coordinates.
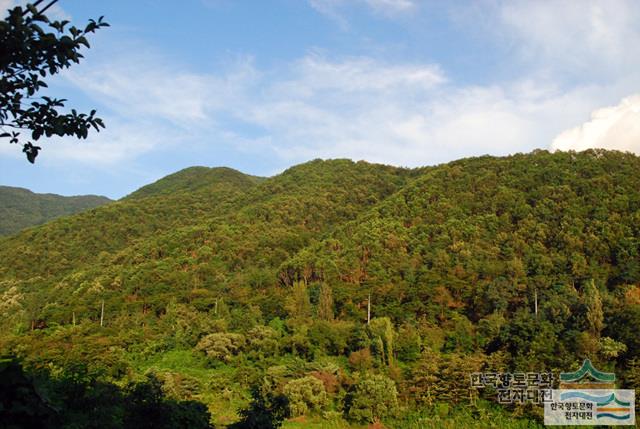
(223, 283)
(488, 236)
(21, 208)
(189, 237)
(75, 241)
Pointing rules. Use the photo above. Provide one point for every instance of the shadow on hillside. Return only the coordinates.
(76, 400)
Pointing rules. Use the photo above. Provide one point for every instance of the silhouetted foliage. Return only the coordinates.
(266, 411)
(21, 405)
(77, 400)
(28, 54)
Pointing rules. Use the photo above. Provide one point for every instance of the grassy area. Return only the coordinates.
(190, 377)
(486, 416)
(453, 422)
(318, 423)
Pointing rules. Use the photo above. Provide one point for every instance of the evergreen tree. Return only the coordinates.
(373, 398)
(382, 332)
(298, 303)
(325, 303)
(595, 315)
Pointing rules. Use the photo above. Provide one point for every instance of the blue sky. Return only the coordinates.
(260, 85)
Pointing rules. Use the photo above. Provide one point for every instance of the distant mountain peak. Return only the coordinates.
(193, 179)
(21, 208)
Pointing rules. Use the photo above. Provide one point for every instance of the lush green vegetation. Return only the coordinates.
(251, 295)
(21, 208)
(194, 179)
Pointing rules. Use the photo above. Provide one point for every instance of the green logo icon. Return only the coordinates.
(587, 369)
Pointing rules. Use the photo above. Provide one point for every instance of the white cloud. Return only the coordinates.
(316, 102)
(6, 4)
(564, 59)
(404, 114)
(341, 108)
(118, 143)
(315, 76)
(615, 127)
(146, 86)
(331, 9)
(574, 36)
(391, 5)
(334, 9)
(151, 104)
(569, 58)
(360, 107)
(365, 74)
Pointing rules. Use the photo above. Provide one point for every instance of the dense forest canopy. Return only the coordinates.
(251, 295)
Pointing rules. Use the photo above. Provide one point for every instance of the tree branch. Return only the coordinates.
(48, 6)
(14, 126)
(26, 11)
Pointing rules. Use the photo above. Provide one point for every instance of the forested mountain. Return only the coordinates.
(194, 179)
(236, 291)
(21, 208)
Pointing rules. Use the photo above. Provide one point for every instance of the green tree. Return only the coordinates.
(610, 349)
(325, 303)
(632, 374)
(221, 345)
(266, 411)
(146, 407)
(360, 360)
(28, 54)
(187, 325)
(453, 374)
(408, 343)
(595, 315)
(298, 303)
(373, 398)
(424, 380)
(305, 395)
(382, 334)
(262, 341)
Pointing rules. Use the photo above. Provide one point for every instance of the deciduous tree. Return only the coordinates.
(32, 48)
